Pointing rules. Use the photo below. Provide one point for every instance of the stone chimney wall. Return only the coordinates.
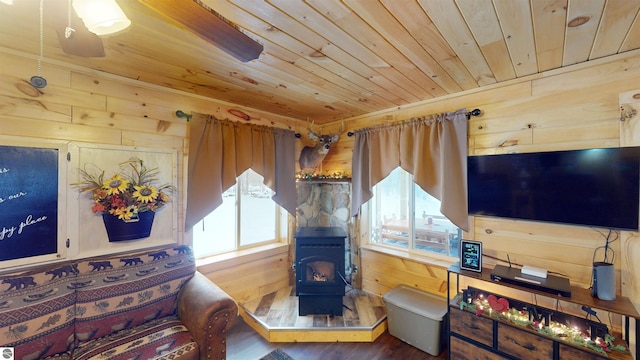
(326, 204)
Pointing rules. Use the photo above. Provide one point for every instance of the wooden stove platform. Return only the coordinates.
(275, 317)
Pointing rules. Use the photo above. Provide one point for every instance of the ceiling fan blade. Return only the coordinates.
(207, 24)
(82, 42)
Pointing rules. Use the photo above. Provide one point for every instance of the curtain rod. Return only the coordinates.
(182, 114)
(474, 112)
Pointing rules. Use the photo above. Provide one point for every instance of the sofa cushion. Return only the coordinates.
(120, 292)
(37, 311)
(164, 338)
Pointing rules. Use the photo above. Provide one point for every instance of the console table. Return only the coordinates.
(485, 335)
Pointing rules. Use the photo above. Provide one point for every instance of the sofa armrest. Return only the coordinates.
(208, 312)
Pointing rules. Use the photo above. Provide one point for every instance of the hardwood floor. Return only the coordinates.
(272, 322)
(279, 310)
(275, 316)
(243, 343)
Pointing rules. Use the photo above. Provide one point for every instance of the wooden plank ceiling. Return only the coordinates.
(327, 60)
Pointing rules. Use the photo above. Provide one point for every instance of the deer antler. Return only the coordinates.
(310, 124)
(335, 136)
(312, 134)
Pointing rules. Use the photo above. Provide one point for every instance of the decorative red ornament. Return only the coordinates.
(241, 114)
(499, 305)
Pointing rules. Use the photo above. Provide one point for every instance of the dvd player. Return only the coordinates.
(551, 284)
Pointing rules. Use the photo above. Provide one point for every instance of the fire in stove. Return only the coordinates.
(320, 271)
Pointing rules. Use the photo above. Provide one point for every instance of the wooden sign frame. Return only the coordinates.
(87, 234)
(33, 195)
(76, 232)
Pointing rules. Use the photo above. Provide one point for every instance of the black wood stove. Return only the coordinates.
(320, 269)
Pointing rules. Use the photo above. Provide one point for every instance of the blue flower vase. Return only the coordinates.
(136, 228)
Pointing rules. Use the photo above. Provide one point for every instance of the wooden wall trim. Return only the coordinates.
(231, 259)
(425, 259)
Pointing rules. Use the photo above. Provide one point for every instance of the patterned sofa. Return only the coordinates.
(139, 305)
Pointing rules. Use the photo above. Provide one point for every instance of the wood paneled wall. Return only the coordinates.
(571, 109)
(382, 271)
(81, 105)
(251, 275)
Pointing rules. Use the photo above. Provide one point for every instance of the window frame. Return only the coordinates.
(367, 222)
(281, 228)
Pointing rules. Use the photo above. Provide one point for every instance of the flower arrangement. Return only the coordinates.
(127, 193)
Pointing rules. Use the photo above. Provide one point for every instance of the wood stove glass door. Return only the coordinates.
(320, 271)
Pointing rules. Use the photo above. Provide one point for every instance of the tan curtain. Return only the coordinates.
(433, 148)
(221, 150)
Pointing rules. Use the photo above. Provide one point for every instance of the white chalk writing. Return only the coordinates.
(8, 232)
(3, 171)
(17, 195)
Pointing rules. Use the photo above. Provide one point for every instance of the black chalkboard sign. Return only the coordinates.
(28, 202)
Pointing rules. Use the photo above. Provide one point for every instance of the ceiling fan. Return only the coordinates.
(209, 25)
(73, 19)
(78, 41)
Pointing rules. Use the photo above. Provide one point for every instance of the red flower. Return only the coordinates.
(536, 324)
(117, 202)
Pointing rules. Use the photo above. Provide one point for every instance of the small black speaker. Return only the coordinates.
(594, 278)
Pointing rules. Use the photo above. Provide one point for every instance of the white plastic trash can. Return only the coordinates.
(416, 317)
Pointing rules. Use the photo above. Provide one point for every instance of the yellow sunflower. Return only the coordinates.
(145, 193)
(116, 185)
(125, 213)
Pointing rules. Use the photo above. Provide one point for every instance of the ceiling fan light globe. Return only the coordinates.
(101, 17)
(110, 27)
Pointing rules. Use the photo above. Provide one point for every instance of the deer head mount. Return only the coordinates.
(311, 156)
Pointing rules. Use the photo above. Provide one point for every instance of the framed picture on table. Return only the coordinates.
(471, 255)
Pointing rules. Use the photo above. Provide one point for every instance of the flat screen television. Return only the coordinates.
(593, 187)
